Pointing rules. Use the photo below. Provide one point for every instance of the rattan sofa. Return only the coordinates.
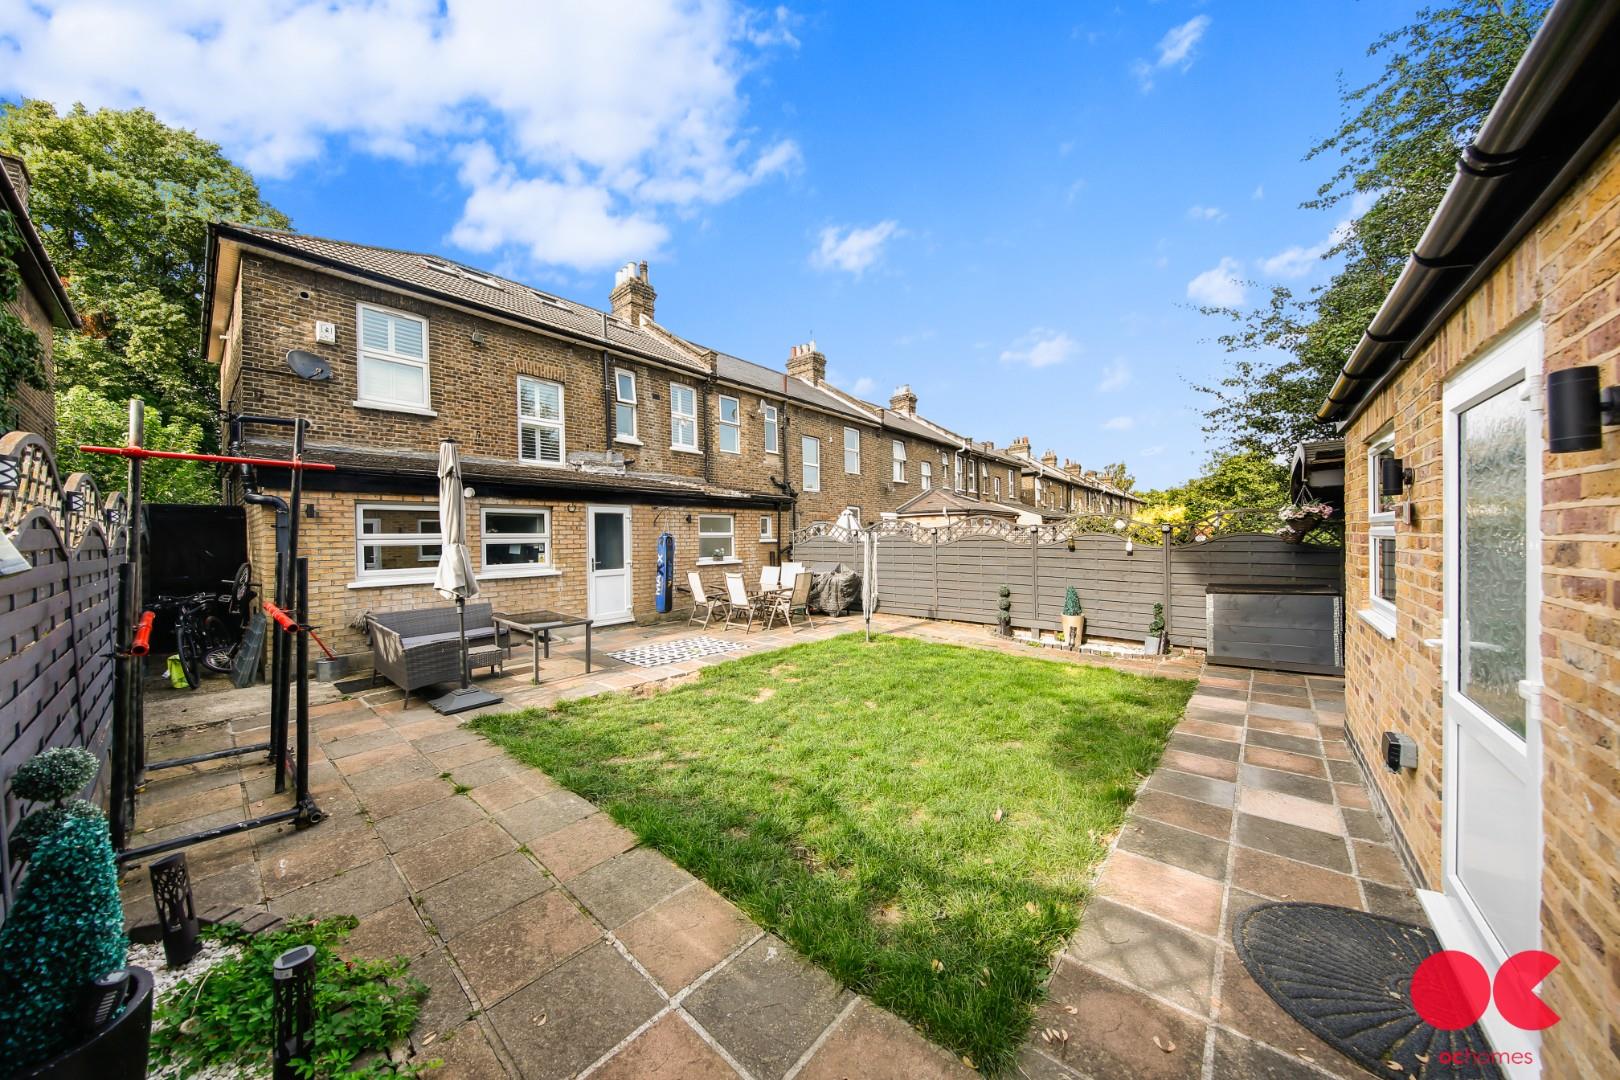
(422, 647)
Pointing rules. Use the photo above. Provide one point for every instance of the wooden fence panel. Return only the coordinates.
(58, 623)
(957, 573)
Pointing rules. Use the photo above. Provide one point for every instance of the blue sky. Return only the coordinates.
(1012, 207)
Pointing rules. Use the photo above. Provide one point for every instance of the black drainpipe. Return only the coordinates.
(609, 399)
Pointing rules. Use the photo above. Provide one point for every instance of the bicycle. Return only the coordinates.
(205, 640)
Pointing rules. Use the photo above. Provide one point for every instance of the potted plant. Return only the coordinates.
(1074, 619)
(1153, 642)
(1004, 613)
(68, 1006)
(1298, 520)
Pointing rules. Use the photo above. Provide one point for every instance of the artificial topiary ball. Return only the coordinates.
(41, 823)
(55, 774)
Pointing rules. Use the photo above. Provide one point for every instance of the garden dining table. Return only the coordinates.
(537, 627)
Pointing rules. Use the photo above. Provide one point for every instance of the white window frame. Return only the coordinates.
(1012, 485)
(927, 474)
(972, 478)
(389, 355)
(364, 538)
(1038, 492)
(898, 454)
(678, 418)
(807, 443)
(852, 450)
(503, 570)
(1380, 613)
(767, 528)
(729, 534)
(540, 424)
(632, 401)
(997, 481)
(733, 425)
(956, 472)
(773, 430)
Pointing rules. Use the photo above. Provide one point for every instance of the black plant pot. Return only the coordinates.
(117, 1052)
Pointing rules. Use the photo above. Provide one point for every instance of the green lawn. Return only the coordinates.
(920, 820)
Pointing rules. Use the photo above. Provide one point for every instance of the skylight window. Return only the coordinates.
(452, 270)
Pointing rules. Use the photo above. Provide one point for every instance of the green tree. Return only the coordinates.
(1118, 475)
(1229, 481)
(123, 203)
(85, 418)
(1399, 142)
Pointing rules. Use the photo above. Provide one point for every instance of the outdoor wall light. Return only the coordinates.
(1578, 408)
(1393, 476)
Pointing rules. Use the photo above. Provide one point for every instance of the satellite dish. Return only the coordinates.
(306, 365)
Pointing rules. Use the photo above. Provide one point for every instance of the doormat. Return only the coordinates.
(673, 652)
(1345, 976)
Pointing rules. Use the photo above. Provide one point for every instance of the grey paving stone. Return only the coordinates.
(1364, 825)
(1294, 744)
(1147, 953)
(1345, 772)
(428, 822)
(356, 892)
(1304, 787)
(529, 821)
(1178, 847)
(626, 885)
(1293, 842)
(574, 1014)
(1224, 749)
(446, 1006)
(1188, 786)
(767, 1006)
(469, 898)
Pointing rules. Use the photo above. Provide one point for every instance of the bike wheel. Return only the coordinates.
(188, 636)
(218, 645)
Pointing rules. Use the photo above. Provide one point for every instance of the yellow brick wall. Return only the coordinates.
(1567, 270)
(329, 541)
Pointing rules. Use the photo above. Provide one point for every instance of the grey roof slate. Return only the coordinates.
(416, 270)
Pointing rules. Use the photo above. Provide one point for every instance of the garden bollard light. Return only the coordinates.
(294, 1009)
(176, 909)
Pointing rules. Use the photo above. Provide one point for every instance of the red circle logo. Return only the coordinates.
(1450, 990)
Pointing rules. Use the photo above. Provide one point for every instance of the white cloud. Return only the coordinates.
(1298, 260)
(1175, 50)
(1114, 377)
(624, 114)
(1259, 192)
(1152, 451)
(1219, 286)
(852, 248)
(863, 386)
(1205, 213)
(1041, 348)
(1119, 423)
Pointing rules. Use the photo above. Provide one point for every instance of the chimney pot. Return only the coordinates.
(1049, 459)
(633, 295)
(904, 401)
(806, 364)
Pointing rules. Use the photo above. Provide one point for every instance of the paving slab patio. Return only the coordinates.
(555, 946)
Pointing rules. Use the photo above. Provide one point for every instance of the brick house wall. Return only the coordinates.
(1568, 269)
(36, 409)
(339, 597)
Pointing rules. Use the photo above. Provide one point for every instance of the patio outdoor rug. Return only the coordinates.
(675, 650)
(1345, 975)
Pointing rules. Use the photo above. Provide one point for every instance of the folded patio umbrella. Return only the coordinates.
(454, 578)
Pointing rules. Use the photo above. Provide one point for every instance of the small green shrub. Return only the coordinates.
(1004, 614)
(55, 774)
(225, 1017)
(65, 930)
(1156, 627)
(41, 823)
(1071, 601)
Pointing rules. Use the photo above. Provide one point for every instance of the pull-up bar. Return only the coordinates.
(218, 459)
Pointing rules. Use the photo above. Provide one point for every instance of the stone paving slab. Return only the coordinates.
(555, 947)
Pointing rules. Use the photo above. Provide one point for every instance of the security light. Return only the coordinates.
(1578, 408)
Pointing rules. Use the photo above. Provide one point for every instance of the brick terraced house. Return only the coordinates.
(1482, 487)
(584, 434)
(42, 304)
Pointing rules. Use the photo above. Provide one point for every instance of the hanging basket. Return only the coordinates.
(1295, 530)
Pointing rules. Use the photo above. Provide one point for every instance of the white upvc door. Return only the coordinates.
(607, 542)
(1490, 905)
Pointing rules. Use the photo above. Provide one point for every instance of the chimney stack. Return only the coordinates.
(1072, 468)
(807, 364)
(904, 401)
(1019, 447)
(1049, 459)
(17, 173)
(632, 296)
(987, 446)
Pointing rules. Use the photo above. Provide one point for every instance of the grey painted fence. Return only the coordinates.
(957, 572)
(57, 622)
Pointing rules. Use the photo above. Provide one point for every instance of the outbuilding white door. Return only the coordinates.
(607, 536)
(1492, 647)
